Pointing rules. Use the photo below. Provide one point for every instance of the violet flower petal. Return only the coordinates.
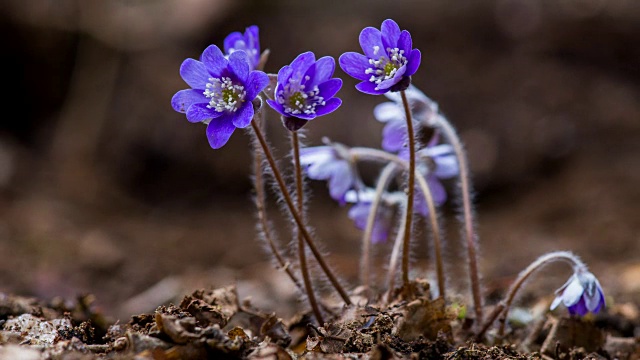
(233, 41)
(341, 180)
(239, 65)
(394, 136)
(330, 88)
(214, 60)
(256, 82)
(194, 73)
(404, 42)
(330, 106)
(390, 34)
(220, 130)
(370, 88)
(355, 65)
(371, 43)
(183, 99)
(243, 117)
(200, 112)
(414, 62)
(324, 69)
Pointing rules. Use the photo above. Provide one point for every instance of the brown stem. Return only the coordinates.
(296, 216)
(262, 213)
(295, 144)
(465, 188)
(393, 259)
(365, 259)
(410, 188)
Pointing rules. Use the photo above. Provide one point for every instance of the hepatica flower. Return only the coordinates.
(388, 61)
(306, 89)
(581, 294)
(221, 92)
(248, 42)
(325, 163)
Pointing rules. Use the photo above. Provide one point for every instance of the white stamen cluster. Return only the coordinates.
(385, 68)
(296, 100)
(224, 94)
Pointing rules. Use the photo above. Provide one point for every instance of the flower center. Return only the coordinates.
(385, 68)
(224, 95)
(296, 100)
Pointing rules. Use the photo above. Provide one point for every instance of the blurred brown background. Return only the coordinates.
(104, 189)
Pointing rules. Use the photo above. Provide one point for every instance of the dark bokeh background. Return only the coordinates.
(104, 189)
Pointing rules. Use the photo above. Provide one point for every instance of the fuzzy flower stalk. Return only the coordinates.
(249, 42)
(581, 294)
(387, 64)
(222, 94)
(304, 91)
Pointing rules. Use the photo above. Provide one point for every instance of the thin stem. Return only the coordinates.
(410, 188)
(470, 235)
(365, 260)
(395, 253)
(296, 216)
(435, 226)
(258, 183)
(295, 144)
(504, 306)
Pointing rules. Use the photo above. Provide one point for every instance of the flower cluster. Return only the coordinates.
(226, 89)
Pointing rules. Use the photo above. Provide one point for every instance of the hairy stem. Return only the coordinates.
(295, 144)
(504, 306)
(469, 233)
(435, 226)
(365, 260)
(258, 183)
(296, 216)
(393, 260)
(410, 188)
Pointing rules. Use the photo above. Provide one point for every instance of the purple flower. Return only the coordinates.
(248, 42)
(305, 89)
(221, 92)
(388, 61)
(324, 163)
(359, 213)
(581, 294)
(394, 134)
